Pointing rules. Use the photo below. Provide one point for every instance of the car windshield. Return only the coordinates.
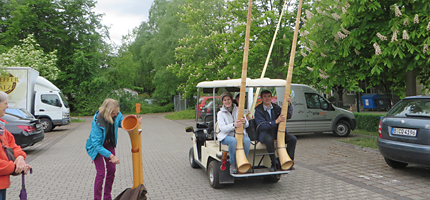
(411, 108)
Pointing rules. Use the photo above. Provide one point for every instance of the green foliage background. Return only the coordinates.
(183, 42)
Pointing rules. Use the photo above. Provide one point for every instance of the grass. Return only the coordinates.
(363, 139)
(76, 119)
(184, 114)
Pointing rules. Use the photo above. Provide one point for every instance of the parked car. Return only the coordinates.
(203, 102)
(26, 129)
(404, 133)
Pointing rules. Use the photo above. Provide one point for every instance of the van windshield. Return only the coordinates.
(66, 103)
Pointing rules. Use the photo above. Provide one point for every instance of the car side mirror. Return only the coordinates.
(189, 129)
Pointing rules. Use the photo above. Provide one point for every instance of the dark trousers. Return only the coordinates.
(3, 194)
(99, 162)
(290, 141)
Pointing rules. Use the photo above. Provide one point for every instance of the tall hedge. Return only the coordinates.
(368, 121)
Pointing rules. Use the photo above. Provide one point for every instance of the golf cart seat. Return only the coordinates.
(259, 145)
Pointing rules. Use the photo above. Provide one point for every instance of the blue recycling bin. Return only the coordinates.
(369, 101)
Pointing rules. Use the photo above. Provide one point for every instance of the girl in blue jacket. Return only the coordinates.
(101, 145)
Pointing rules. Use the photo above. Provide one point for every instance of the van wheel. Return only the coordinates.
(46, 124)
(191, 157)
(395, 164)
(342, 129)
(272, 178)
(213, 172)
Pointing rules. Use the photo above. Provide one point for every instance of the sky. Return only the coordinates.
(122, 16)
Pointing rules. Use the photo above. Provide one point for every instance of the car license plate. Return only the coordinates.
(404, 131)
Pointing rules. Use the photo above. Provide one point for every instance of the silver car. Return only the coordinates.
(404, 133)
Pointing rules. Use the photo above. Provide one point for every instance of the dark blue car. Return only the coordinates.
(404, 133)
(26, 129)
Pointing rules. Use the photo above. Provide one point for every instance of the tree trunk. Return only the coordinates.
(411, 83)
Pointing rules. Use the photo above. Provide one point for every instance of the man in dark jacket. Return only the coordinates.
(271, 113)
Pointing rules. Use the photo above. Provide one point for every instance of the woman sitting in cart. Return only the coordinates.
(228, 122)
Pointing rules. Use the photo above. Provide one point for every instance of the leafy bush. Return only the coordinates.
(368, 121)
(184, 114)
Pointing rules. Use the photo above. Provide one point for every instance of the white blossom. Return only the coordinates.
(405, 35)
(406, 22)
(377, 48)
(318, 10)
(309, 14)
(313, 43)
(428, 26)
(310, 69)
(335, 16)
(425, 48)
(397, 11)
(357, 52)
(416, 20)
(323, 55)
(303, 19)
(347, 4)
(324, 76)
(381, 37)
(394, 37)
(341, 35)
(344, 11)
(303, 54)
(308, 49)
(345, 31)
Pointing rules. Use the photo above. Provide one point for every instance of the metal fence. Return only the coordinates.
(180, 104)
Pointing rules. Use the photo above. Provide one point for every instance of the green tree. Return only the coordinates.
(214, 48)
(27, 55)
(383, 42)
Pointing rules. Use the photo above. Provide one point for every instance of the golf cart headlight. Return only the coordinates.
(205, 131)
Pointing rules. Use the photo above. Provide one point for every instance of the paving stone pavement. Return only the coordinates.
(325, 169)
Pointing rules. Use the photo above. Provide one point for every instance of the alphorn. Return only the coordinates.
(131, 124)
(285, 160)
(242, 162)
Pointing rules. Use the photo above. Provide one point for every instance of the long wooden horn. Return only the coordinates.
(243, 165)
(130, 124)
(285, 160)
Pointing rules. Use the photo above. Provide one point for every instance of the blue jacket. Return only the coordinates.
(262, 116)
(98, 135)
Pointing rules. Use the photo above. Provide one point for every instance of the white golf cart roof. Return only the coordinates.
(260, 82)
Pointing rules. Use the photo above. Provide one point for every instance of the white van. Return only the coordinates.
(313, 113)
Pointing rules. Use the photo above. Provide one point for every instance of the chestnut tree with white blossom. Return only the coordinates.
(383, 42)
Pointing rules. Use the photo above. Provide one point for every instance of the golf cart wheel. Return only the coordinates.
(192, 161)
(395, 164)
(46, 124)
(342, 129)
(213, 172)
(272, 178)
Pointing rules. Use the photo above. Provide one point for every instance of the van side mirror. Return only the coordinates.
(330, 106)
(189, 129)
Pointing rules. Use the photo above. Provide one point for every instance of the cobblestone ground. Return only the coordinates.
(325, 169)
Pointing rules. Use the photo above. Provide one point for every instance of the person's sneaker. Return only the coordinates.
(233, 168)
